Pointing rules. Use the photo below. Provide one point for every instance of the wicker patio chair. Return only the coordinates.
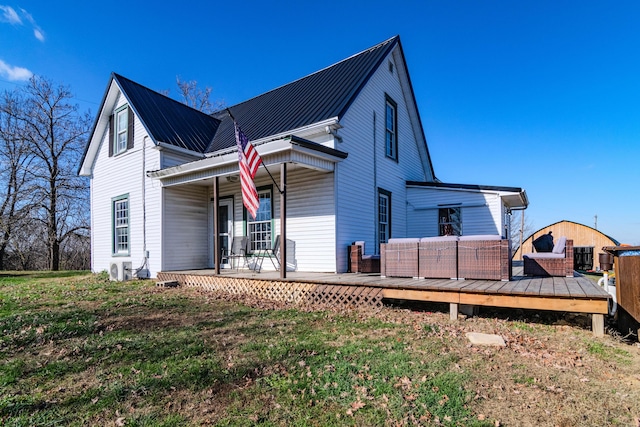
(438, 257)
(558, 262)
(399, 258)
(484, 257)
(361, 263)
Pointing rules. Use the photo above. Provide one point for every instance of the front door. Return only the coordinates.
(225, 230)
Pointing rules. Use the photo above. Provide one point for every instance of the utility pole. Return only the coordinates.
(521, 233)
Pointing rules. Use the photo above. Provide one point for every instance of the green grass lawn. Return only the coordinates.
(76, 349)
(82, 350)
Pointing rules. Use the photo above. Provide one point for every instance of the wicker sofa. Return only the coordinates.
(558, 262)
(448, 257)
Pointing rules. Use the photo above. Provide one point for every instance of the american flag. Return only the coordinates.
(249, 161)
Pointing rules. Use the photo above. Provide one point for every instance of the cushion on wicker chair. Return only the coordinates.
(543, 255)
(440, 239)
(481, 237)
(559, 246)
(404, 240)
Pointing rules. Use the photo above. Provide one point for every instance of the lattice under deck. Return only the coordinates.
(308, 295)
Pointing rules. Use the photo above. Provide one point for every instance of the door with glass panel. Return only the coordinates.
(225, 230)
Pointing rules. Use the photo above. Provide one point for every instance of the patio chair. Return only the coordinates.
(558, 262)
(484, 257)
(361, 263)
(273, 254)
(238, 251)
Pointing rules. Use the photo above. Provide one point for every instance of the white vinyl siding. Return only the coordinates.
(130, 170)
(481, 212)
(186, 242)
(368, 168)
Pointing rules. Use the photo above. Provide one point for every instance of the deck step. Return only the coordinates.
(168, 284)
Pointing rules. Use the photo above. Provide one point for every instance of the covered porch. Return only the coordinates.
(571, 294)
(203, 211)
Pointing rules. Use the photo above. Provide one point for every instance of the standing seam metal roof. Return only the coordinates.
(319, 96)
(168, 120)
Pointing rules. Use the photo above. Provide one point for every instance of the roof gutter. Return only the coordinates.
(305, 131)
(162, 146)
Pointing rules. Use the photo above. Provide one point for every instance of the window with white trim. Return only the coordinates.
(121, 130)
(259, 229)
(450, 222)
(384, 216)
(391, 128)
(120, 208)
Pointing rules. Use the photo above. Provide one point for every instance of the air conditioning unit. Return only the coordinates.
(120, 271)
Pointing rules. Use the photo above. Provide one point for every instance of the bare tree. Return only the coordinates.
(198, 98)
(521, 228)
(15, 159)
(55, 132)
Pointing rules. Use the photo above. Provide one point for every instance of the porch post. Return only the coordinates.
(283, 221)
(216, 239)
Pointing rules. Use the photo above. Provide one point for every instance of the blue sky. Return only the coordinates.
(543, 95)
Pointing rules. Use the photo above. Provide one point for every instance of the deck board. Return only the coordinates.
(560, 287)
(546, 287)
(575, 289)
(549, 293)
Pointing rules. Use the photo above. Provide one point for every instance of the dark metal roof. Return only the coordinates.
(319, 96)
(167, 120)
(465, 186)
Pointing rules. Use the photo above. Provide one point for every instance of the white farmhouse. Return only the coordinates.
(346, 142)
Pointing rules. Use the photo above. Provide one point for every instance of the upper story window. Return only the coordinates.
(391, 128)
(121, 131)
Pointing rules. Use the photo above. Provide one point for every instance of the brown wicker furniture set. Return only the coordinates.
(558, 262)
(485, 257)
(448, 257)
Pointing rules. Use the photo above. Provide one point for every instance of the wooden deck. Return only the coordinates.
(572, 294)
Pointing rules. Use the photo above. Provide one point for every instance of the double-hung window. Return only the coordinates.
(391, 128)
(384, 216)
(259, 229)
(120, 207)
(121, 130)
(450, 221)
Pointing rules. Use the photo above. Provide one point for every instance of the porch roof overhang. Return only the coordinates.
(513, 198)
(288, 149)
